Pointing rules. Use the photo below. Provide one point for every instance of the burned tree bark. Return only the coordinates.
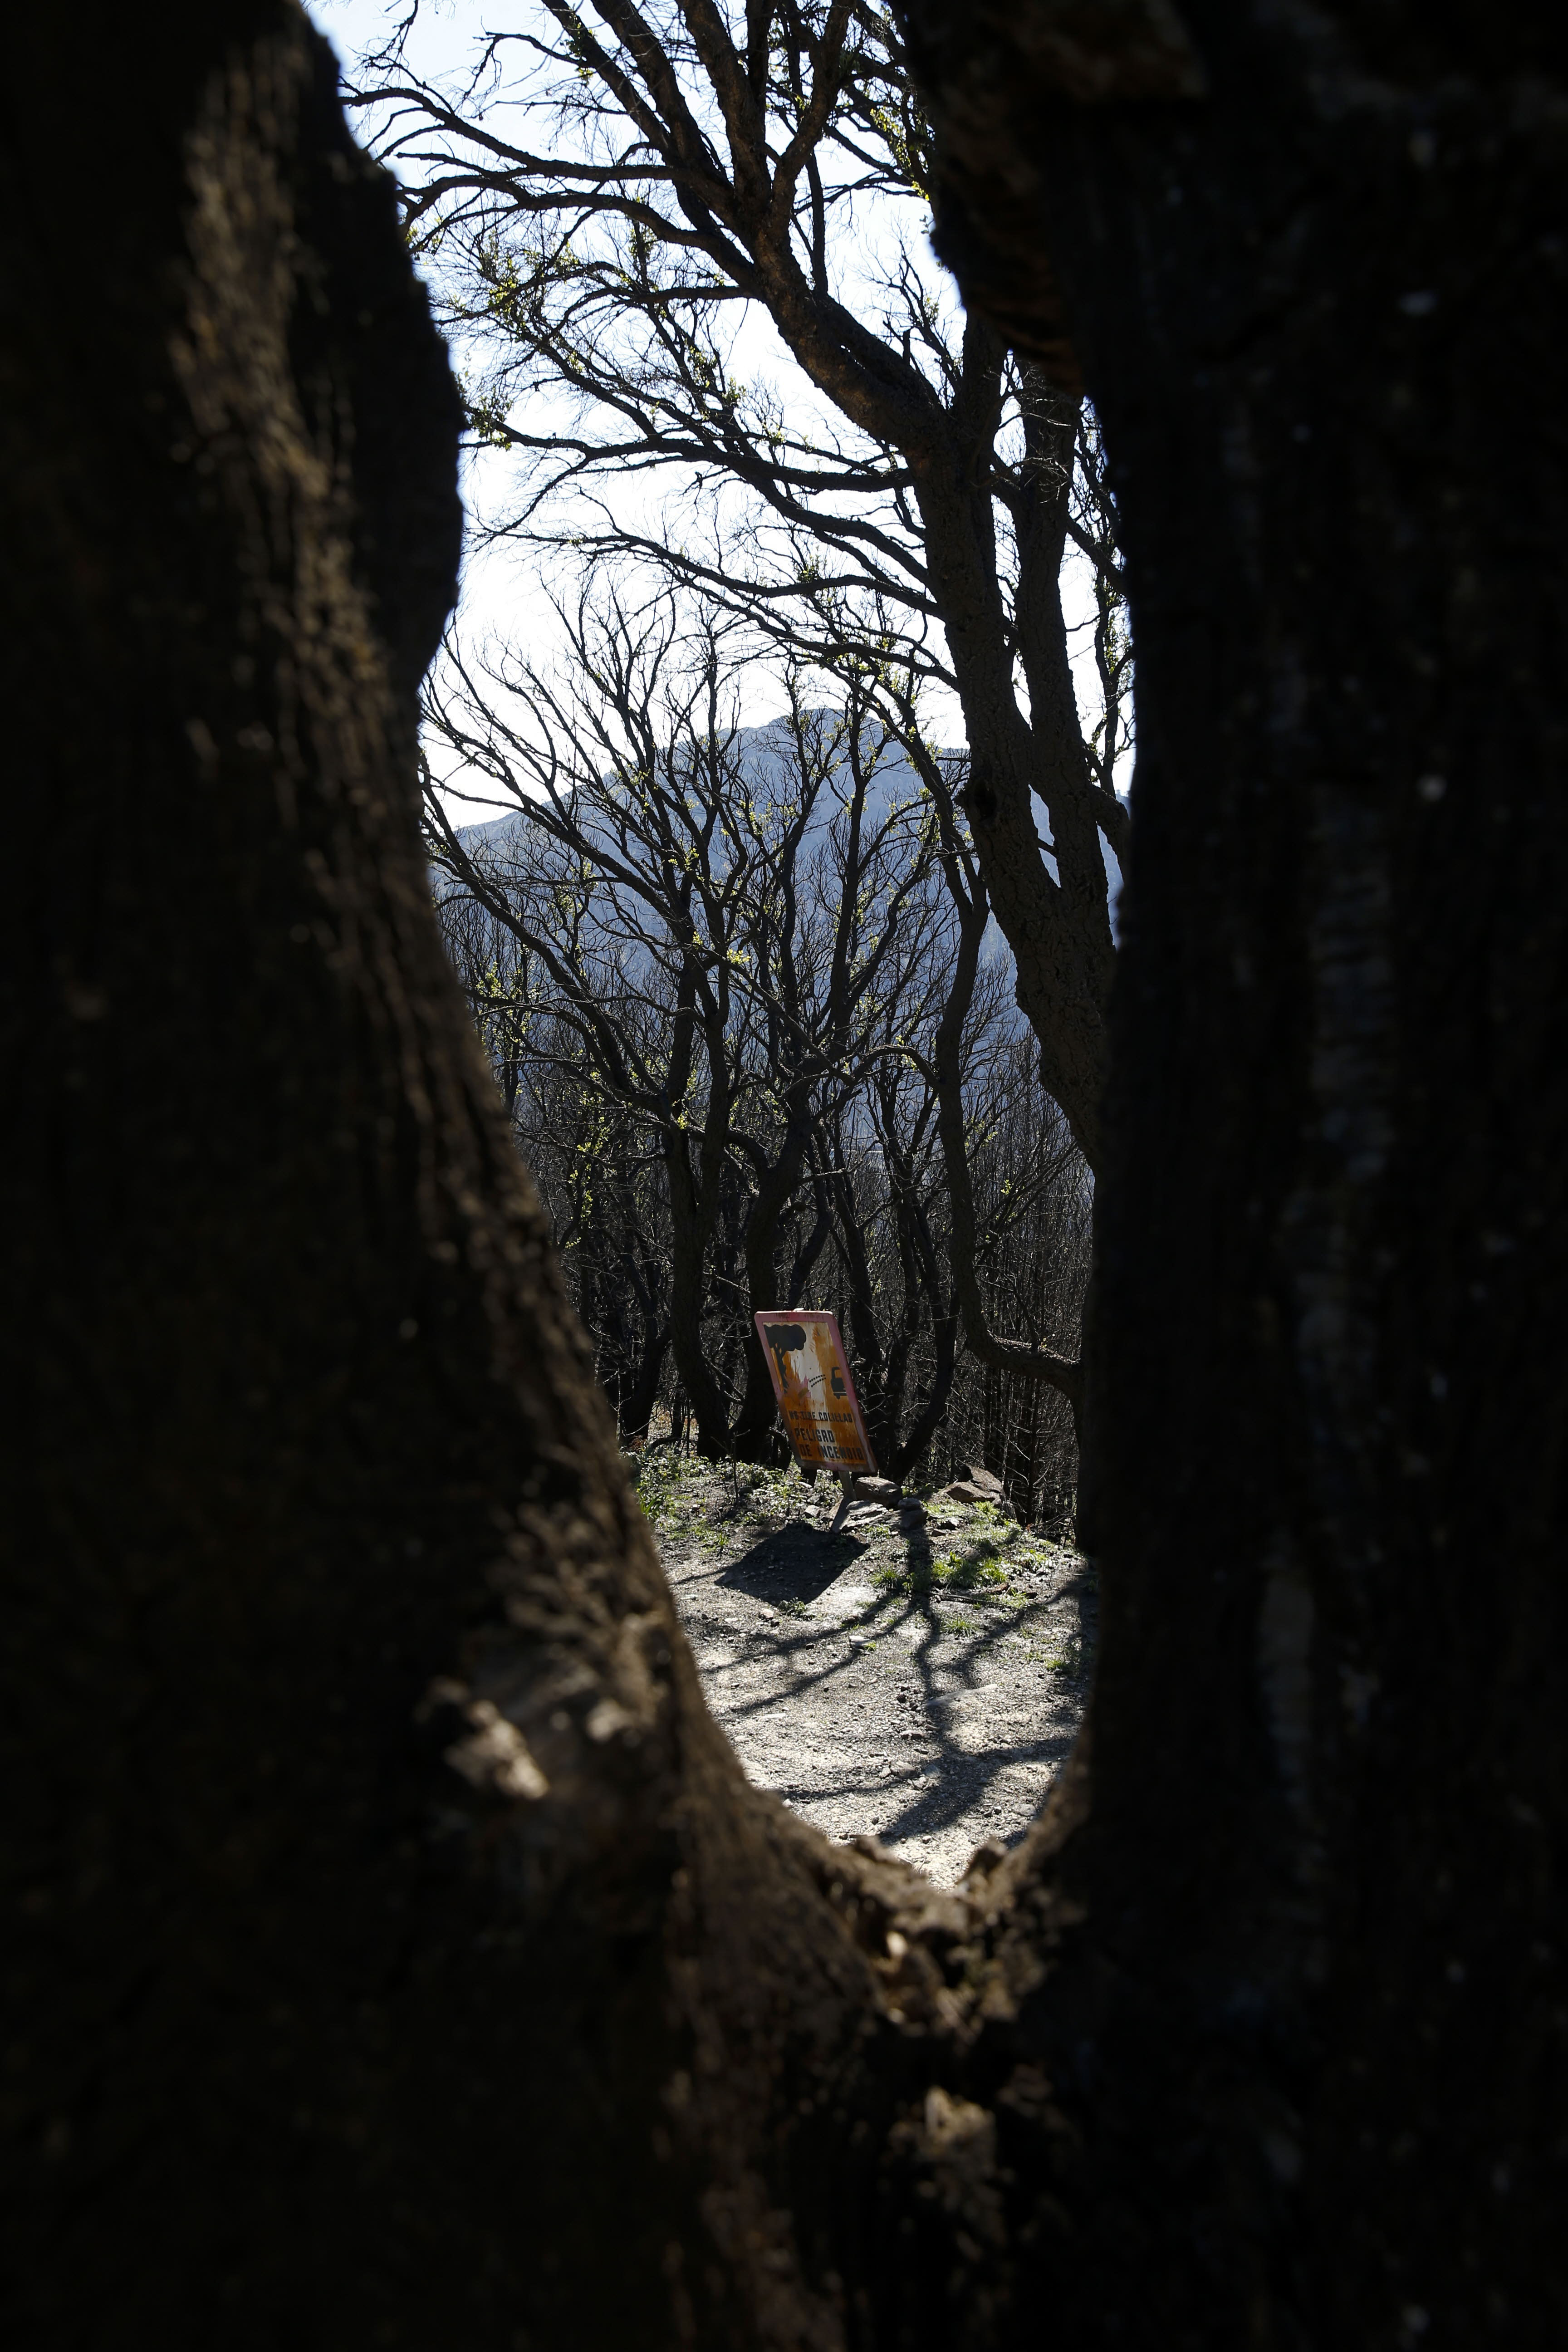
(1316, 2012)
(359, 1940)
(397, 1955)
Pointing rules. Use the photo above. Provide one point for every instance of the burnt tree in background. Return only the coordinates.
(651, 176)
(724, 992)
(395, 1953)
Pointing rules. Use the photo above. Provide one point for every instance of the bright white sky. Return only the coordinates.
(504, 593)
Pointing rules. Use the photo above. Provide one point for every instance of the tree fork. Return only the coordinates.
(397, 1953)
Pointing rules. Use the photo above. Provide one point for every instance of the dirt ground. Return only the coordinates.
(921, 1687)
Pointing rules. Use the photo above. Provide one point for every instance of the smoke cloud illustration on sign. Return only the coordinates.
(815, 1391)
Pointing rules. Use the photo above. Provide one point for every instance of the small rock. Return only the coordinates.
(974, 1473)
(876, 1490)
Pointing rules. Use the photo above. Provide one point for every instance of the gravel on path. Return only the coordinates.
(918, 1685)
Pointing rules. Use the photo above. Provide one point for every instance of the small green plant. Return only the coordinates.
(662, 1487)
(791, 1608)
(904, 1577)
(978, 1571)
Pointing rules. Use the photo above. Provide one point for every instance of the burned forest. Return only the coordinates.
(438, 1028)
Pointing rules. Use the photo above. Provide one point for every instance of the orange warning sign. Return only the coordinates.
(817, 1402)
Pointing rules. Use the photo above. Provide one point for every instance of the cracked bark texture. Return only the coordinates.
(370, 1845)
(1311, 2032)
(395, 1954)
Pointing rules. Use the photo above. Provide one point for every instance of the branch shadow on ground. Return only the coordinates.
(924, 1794)
(926, 1767)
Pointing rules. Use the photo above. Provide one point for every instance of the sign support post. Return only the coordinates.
(847, 1480)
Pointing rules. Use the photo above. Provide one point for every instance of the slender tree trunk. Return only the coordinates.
(397, 1954)
(754, 1433)
(813, 1243)
(850, 1239)
(1016, 1356)
(639, 1389)
(1058, 928)
(642, 1393)
(692, 1216)
(932, 1409)
(631, 1354)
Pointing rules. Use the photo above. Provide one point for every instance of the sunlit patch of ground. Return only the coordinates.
(921, 1688)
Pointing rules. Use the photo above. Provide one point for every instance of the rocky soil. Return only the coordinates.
(917, 1677)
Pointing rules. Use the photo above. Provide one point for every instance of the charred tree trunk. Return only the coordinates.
(930, 1405)
(693, 1214)
(639, 1390)
(397, 1954)
(358, 1846)
(849, 1242)
(1059, 928)
(1316, 2017)
(1016, 1356)
(754, 1436)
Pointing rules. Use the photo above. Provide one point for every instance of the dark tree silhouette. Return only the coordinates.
(682, 166)
(395, 1953)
